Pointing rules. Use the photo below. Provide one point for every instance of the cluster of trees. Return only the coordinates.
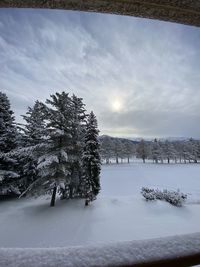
(170, 151)
(55, 151)
(116, 148)
(156, 150)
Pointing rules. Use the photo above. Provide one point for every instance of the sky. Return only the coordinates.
(141, 77)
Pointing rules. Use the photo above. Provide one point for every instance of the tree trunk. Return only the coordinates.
(128, 159)
(71, 191)
(117, 161)
(143, 160)
(168, 160)
(86, 202)
(53, 197)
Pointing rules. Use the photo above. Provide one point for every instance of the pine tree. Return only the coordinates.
(7, 125)
(34, 129)
(91, 160)
(8, 141)
(78, 132)
(33, 134)
(54, 161)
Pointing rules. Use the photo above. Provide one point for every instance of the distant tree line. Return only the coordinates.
(117, 149)
(159, 151)
(55, 151)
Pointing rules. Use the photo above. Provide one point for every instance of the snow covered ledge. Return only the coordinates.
(169, 251)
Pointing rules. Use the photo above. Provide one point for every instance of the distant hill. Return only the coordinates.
(149, 139)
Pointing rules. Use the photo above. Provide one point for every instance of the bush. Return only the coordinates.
(148, 193)
(159, 194)
(175, 198)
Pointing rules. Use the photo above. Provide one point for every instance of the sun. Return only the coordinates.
(116, 105)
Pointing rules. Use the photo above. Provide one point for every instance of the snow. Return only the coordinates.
(64, 155)
(45, 161)
(118, 254)
(120, 213)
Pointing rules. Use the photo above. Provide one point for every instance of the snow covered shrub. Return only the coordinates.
(159, 194)
(148, 194)
(147, 190)
(175, 198)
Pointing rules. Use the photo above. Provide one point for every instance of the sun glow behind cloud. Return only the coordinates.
(116, 105)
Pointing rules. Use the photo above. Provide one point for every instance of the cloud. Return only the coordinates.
(151, 66)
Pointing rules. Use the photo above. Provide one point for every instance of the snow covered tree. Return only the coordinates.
(128, 149)
(91, 160)
(186, 151)
(33, 134)
(106, 148)
(8, 141)
(54, 162)
(117, 149)
(142, 150)
(8, 129)
(34, 129)
(193, 150)
(78, 132)
(178, 146)
(155, 151)
(169, 151)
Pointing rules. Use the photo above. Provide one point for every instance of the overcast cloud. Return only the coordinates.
(152, 68)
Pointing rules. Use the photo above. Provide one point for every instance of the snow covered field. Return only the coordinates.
(120, 213)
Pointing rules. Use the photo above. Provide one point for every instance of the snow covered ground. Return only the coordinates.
(119, 214)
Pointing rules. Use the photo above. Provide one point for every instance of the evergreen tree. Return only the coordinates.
(54, 161)
(91, 160)
(8, 141)
(33, 134)
(34, 129)
(8, 129)
(78, 132)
